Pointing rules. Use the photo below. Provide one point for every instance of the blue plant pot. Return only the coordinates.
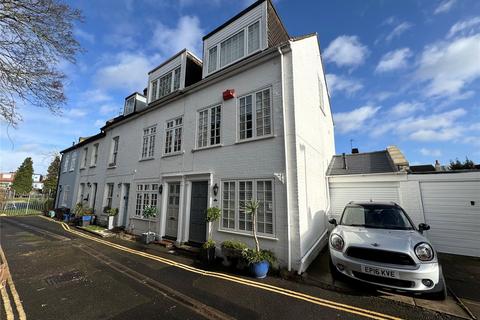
(66, 217)
(260, 269)
(86, 218)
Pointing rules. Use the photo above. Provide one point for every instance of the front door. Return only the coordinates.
(173, 206)
(125, 204)
(198, 212)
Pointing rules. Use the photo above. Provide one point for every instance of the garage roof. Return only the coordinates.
(361, 163)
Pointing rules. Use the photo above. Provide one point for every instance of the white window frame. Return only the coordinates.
(109, 195)
(65, 195)
(148, 143)
(73, 161)
(172, 128)
(114, 152)
(81, 192)
(236, 228)
(155, 84)
(246, 51)
(85, 158)
(129, 108)
(147, 194)
(209, 128)
(66, 163)
(94, 156)
(254, 136)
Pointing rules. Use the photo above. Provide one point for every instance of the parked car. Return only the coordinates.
(378, 243)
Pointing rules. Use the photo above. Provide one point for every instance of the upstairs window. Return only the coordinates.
(166, 84)
(113, 155)
(65, 163)
(173, 135)
(85, 157)
(73, 161)
(255, 115)
(93, 160)
(209, 123)
(244, 42)
(129, 105)
(148, 145)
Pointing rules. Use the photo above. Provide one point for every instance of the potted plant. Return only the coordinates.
(258, 260)
(112, 212)
(83, 215)
(232, 252)
(208, 248)
(148, 213)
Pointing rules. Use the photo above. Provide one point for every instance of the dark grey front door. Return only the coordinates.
(198, 212)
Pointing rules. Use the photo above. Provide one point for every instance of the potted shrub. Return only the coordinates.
(83, 215)
(149, 212)
(259, 260)
(208, 248)
(112, 213)
(232, 251)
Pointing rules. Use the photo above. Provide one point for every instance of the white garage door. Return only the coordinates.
(343, 193)
(453, 217)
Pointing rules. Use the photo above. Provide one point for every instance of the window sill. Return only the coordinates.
(111, 166)
(143, 219)
(93, 166)
(271, 136)
(146, 159)
(272, 237)
(208, 147)
(83, 168)
(173, 154)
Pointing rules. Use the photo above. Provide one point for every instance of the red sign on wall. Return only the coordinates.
(228, 94)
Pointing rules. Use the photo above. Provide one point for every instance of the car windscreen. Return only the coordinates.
(376, 216)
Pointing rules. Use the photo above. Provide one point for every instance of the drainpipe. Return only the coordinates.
(289, 246)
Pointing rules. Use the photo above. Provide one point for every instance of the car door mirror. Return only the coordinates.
(332, 221)
(423, 227)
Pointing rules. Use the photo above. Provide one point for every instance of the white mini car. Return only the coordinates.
(377, 243)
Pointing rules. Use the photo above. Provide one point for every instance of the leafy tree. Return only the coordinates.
(458, 165)
(35, 35)
(22, 183)
(50, 182)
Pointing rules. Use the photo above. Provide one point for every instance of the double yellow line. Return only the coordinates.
(263, 286)
(13, 291)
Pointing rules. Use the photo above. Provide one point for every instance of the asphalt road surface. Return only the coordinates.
(59, 274)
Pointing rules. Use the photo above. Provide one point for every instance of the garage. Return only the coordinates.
(452, 209)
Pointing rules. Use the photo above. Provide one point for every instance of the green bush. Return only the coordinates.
(208, 244)
(234, 245)
(48, 205)
(253, 256)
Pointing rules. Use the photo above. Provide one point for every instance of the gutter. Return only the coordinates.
(289, 245)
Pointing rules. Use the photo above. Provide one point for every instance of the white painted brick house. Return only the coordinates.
(252, 121)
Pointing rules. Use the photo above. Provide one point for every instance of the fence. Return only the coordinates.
(12, 204)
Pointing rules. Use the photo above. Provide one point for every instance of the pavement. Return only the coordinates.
(60, 273)
(462, 276)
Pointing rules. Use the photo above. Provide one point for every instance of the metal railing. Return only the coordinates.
(12, 204)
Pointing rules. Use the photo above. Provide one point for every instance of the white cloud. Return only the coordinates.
(431, 152)
(449, 66)
(404, 109)
(447, 134)
(466, 27)
(338, 83)
(398, 30)
(394, 60)
(108, 109)
(445, 6)
(128, 72)
(187, 34)
(75, 113)
(351, 121)
(84, 35)
(99, 123)
(94, 96)
(346, 51)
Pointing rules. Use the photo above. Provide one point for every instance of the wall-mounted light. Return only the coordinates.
(60, 187)
(215, 189)
(160, 189)
(89, 184)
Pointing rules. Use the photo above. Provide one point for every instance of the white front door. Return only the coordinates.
(173, 206)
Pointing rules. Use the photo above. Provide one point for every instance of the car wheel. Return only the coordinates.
(336, 275)
(439, 292)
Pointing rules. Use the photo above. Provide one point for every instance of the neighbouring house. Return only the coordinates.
(6, 179)
(449, 201)
(37, 183)
(251, 120)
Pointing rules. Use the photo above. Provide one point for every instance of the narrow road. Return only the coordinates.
(61, 274)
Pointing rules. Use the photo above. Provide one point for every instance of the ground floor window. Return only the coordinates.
(235, 195)
(147, 195)
(109, 195)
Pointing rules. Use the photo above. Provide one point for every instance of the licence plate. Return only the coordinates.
(381, 272)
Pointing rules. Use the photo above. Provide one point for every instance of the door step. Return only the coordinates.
(169, 244)
(188, 248)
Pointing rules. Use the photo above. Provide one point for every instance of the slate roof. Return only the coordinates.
(361, 163)
(422, 168)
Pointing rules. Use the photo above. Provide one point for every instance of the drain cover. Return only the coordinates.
(65, 277)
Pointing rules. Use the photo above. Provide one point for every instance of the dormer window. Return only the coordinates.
(129, 105)
(165, 84)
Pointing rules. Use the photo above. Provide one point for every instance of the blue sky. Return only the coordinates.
(399, 72)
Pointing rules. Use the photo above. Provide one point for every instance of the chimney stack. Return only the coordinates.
(355, 150)
(438, 167)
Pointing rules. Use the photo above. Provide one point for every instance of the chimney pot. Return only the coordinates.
(355, 150)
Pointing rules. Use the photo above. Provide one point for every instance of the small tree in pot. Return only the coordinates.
(208, 248)
(112, 212)
(149, 212)
(259, 260)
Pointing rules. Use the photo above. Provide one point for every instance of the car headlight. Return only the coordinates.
(424, 251)
(337, 242)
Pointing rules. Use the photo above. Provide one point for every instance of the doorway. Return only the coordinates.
(126, 195)
(198, 212)
(173, 205)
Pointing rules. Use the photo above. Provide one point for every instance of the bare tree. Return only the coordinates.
(35, 36)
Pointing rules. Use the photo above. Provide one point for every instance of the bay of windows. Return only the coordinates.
(235, 195)
(167, 83)
(255, 115)
(173, 135)
(147, 195)
(148, 144)
(209, 123)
